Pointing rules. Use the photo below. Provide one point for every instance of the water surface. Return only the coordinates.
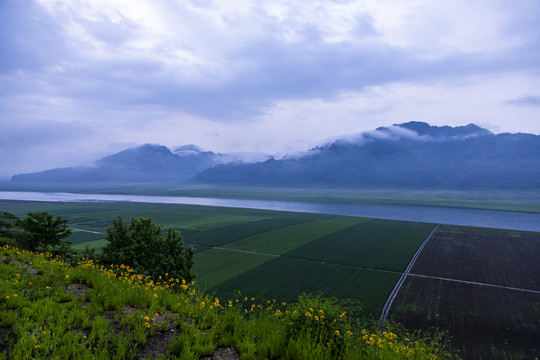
(430, 214)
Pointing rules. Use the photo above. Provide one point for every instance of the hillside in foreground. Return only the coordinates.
(54, 310)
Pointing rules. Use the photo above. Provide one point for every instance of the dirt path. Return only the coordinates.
(401, 280)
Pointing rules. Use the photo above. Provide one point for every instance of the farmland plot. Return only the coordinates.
(378, 244)
(501, 257)
(282, 240)
(286, 278)
(486, 322)
(215, 266)
(326, 254)
(230, 233)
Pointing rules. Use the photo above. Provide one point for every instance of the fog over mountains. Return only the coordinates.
(409, 155)
(144, 164)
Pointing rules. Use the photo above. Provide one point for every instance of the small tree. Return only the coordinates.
(45, 231)
(142, 245)
(10, 227)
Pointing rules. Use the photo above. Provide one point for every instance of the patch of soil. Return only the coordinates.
(157, 344)
(32, 271)
(129, 310)
(78, 289)
(224, 354)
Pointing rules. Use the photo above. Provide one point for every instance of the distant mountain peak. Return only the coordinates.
(424, 129)
(188, 150)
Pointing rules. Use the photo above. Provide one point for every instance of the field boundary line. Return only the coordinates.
(475, 283)
(89, 231)
(401, 280)
(403, 274)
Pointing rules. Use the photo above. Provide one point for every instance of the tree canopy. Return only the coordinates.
(142, 245)
(44, 230)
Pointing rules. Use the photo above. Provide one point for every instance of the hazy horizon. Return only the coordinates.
(81, 80)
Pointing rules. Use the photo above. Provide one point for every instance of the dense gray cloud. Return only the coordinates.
(526, 100)
(206, 71)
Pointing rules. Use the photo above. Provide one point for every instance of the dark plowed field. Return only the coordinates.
(485, 322)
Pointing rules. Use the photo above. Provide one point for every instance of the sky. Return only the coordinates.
(82, 79)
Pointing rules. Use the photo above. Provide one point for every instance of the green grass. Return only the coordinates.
(286, 278)
(82, 237)
(229, 233)
(285, 239)
(378, 244)
(53, 310)
(215, 266)
(95, 244)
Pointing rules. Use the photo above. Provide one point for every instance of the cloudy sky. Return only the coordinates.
(80, 79)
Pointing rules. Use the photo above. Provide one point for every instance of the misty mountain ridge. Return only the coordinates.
(413, 130)
(145, 163)
(408, 155)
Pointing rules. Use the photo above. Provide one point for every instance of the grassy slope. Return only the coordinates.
(51, 310)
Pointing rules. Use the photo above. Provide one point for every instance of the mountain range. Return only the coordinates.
(144, 164)
(409, 155)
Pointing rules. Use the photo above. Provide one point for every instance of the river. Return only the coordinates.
(431, 214)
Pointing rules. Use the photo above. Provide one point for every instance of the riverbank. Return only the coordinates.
(496, 219)
(501, 200)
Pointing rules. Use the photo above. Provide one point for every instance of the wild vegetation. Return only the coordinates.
(53, 310)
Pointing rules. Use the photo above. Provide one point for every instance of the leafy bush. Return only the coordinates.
(142, 246)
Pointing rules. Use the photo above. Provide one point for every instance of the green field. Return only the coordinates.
(486, 322)
(266, 253)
